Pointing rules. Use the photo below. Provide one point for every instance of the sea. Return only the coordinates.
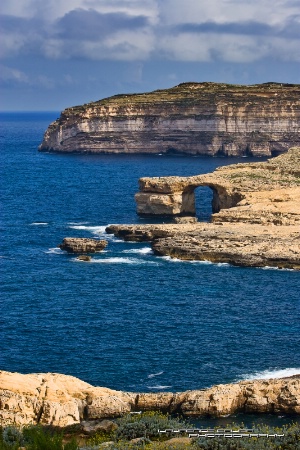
(127, 320)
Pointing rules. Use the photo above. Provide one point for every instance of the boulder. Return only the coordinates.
(82, 245)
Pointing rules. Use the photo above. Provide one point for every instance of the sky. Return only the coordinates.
(60, 53)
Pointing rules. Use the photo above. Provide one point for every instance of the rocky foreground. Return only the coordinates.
(256, 220)
(48, 398)
(191, 118)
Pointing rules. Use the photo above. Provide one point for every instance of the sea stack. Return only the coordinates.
(191, 118)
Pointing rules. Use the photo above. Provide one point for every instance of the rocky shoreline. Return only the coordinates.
(256, 216)
(62, 400)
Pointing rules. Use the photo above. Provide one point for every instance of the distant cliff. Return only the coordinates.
(191, 118)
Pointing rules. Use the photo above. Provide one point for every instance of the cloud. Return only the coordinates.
(11, 76)
(90, 25)
(140, 30)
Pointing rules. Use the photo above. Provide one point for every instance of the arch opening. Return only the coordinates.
(204, 203)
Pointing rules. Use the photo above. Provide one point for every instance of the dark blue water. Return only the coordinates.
(127, 320)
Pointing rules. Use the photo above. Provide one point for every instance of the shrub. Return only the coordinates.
(146, 425)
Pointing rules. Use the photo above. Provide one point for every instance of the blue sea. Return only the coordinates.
(127, 320)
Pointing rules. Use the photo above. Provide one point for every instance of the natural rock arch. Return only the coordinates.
(175, 196)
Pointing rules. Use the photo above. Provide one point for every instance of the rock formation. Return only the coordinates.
(272, 186)
(64, 400)
(82, 245)
(256, 220)
(191, 118)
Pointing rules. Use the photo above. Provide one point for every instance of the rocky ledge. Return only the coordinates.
(48, 398)
(82, 245)
(191, 118)
(255, 222)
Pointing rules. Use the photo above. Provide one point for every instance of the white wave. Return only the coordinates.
(192, 261)
(77, 223)
(98, 231)
(152, 375)
(275, 268)
(54, 250)
(92, 229)
(119, 260)
(142, 251)
(159, 387)
(197, 261)
(168, 258)
(276, 373)
(39, 223)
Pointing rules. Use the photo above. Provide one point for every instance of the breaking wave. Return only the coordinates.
(276, 373)
(141, 251)
(118, 260)
(152, 375)
(54, 251)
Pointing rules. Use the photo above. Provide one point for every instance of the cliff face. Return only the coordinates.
(191, 118)
(64, 400)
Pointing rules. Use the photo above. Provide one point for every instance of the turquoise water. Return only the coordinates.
(128, 320)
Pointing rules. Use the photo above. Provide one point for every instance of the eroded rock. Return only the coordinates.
(82, 245)
(257, 223)
(65, 400)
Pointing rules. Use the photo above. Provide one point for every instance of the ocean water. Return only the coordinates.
(128, 320)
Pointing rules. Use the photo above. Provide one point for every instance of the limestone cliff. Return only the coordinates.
(64, 400)
(191, 118)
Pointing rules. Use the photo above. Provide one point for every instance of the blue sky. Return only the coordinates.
(60, 53)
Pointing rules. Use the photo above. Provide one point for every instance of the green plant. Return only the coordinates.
(34, 438)
(146, 425)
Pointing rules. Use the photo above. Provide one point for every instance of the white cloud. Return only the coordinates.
(133, 30)
(11, 75)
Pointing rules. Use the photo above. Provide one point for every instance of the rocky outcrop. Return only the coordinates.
(272, 186)
(82, 245)
(191, 118)
(64, 400)
(233, 243)
(257, 223)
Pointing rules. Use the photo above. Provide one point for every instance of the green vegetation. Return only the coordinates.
(144, 430)
(34, 438)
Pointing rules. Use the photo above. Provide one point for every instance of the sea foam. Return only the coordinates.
(276, 373)
(152, 375)
(141, 251)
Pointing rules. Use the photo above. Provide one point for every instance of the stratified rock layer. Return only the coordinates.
(82, 245)
(191, 118)
(64, 400)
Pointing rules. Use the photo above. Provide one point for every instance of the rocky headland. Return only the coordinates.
(191, 118)
(62, 400)
(256, 219)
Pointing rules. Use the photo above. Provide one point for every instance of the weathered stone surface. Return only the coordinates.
(82, 245)
(64, 400)
(185, 219)
(257, 223)
(92, 427)
(191, 118)
(235, 185)
(234, 243)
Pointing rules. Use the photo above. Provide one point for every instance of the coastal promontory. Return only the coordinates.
(191, 118)
(61, 400)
